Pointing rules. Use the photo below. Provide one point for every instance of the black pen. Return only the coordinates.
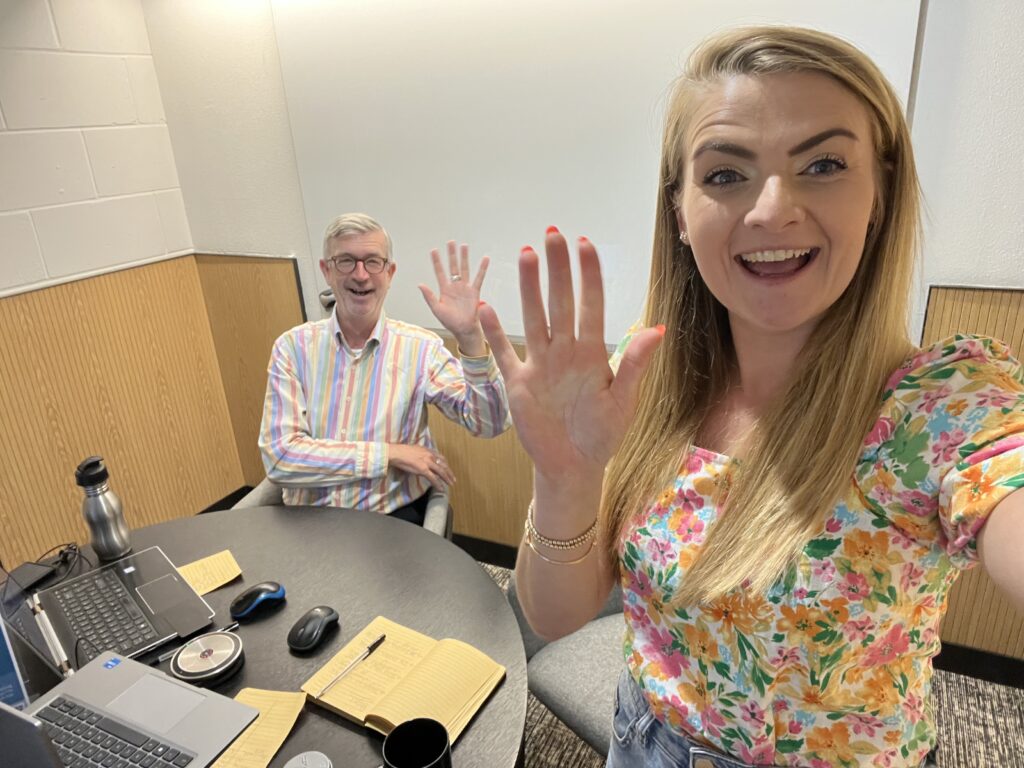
(369, 649)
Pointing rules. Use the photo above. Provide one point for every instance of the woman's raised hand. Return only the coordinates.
(569, 409)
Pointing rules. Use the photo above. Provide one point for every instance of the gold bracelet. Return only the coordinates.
(580, 559)
(563, 544)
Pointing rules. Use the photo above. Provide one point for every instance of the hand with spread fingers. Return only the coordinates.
(569, 409)
(456, 305)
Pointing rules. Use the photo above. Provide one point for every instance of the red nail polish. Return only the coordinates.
(526, 249)
(552, 230)
(480, 303)
(583, 240)
(660, 328)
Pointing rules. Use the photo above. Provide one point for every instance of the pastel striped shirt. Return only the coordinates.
(330, 411)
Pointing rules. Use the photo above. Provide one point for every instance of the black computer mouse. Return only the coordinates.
(310, 629)
(264, 594)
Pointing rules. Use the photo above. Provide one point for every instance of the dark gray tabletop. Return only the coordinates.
(363, 565)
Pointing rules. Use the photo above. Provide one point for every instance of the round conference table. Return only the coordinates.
(363, 565)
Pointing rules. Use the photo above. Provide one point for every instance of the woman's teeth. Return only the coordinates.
(758, 256)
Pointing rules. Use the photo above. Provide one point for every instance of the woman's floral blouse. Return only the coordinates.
(832, 666)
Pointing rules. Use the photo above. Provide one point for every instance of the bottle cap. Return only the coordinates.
(91, 472)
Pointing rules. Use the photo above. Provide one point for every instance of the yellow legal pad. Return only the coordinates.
(410, 675)
(258, 744)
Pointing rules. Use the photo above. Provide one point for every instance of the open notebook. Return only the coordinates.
(410, 675)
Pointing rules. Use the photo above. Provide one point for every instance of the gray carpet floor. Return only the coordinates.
(981, 725)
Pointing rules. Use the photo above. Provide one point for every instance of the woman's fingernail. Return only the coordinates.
(481, 303)
(583, 240)
(660, 328)
(552, 230)
(526, 249)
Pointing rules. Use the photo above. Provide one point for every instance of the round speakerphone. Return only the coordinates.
(209, 658)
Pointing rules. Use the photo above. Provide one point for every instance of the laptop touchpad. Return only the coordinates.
(157, 705)
(160, 594)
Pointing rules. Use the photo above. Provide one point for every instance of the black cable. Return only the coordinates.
(37, 561)
(78, 641)
(69, 555)
(75, 558)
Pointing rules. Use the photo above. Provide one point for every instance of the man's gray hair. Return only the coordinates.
(354, 224)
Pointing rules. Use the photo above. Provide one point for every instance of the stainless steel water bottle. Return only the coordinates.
(102, 511)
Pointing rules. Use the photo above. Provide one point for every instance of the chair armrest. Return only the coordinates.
(266, 494)
(438, 517)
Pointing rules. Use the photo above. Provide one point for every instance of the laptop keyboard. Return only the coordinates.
(103, 615)
(86, 739)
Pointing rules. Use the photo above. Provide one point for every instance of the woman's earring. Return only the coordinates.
(684, 237)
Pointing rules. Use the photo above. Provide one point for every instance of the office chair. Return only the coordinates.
(575, 676)
(438, 518)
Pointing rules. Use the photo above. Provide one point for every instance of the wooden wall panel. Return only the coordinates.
(250, 301)
(493, 480)
(122, 365)
(978, 615)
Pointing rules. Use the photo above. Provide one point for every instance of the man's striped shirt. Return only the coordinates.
(330, 411)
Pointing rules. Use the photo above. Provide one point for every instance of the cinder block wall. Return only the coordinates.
(88, 181)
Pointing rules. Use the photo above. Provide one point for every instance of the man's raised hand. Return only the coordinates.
(456, 305)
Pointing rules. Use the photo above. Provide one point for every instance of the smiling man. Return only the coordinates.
(345, 414)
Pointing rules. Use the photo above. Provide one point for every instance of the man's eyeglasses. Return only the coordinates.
(345, 264)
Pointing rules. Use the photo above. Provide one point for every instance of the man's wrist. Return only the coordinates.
(473, 345)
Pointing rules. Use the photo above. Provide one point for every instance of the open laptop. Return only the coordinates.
(129, 606)
(29, 674)
(119, 713)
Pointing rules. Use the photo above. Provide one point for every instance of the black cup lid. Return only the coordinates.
(91, 472)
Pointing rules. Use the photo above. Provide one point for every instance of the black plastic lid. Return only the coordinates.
(91, 472)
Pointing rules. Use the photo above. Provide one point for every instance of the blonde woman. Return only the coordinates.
(784, 485)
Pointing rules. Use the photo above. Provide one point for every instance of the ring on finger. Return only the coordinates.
(455, 278)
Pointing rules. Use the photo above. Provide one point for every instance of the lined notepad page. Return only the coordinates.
(258, 744)
(449, 685)
(356, 694)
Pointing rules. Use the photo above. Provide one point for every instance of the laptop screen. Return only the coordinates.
(28, 646)
(12, 687)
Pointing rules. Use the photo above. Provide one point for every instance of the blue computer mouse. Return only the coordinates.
(264, 594)
(309, 630)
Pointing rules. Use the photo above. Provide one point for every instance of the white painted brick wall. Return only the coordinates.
(44, 89)
(171, 206)
(108, 26)
(90, 236)
(88, 180)
(43, 168)
(145, 90)
(26, 24)
(127, 160)
(22, 263)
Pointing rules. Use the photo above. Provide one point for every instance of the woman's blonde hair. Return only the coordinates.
(799, 460)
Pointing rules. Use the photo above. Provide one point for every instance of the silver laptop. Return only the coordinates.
(129, 606)
(119, 713)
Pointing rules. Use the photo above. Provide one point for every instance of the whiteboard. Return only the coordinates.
(487, 121)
